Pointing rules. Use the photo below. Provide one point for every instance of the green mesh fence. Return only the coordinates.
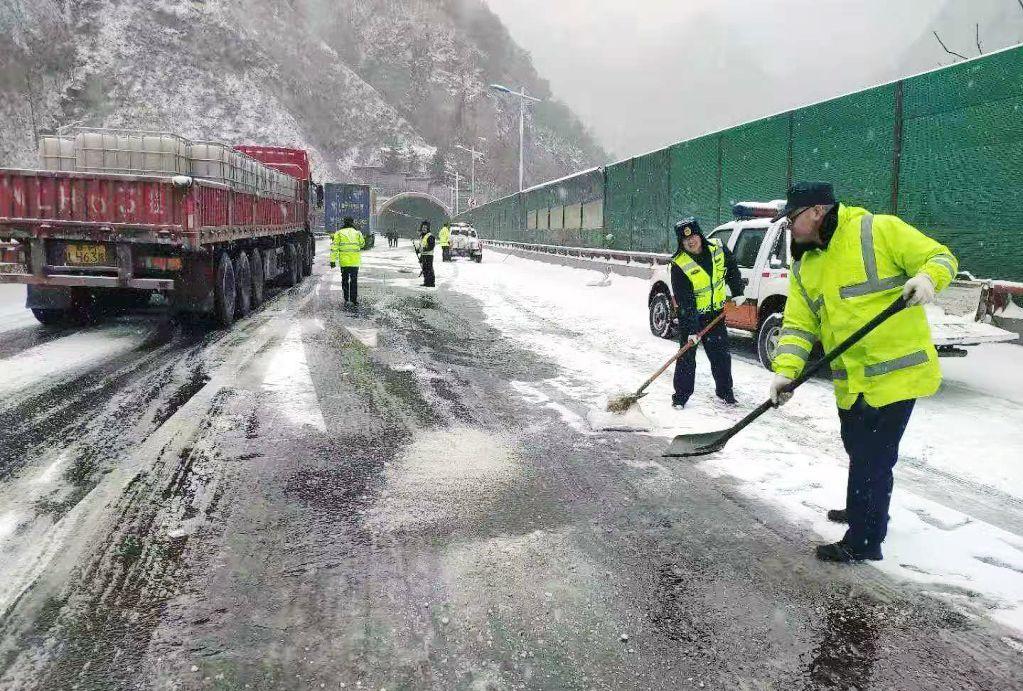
(694, 177)
(650, 207)
(943, 150)
(849, 141)
(618, 195)
(962, 161)
(754, 163)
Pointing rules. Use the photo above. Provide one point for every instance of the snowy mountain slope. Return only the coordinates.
(343, 79)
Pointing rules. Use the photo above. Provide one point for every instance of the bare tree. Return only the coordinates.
(950, 52)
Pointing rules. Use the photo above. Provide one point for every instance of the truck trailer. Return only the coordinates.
(114, 216)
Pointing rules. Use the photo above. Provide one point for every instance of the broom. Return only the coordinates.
(619, 404)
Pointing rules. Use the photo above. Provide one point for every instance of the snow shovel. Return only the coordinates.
(703, 443)
(619, 404)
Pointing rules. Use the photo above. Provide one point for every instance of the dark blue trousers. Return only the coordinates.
(871, 437)
(715, 343)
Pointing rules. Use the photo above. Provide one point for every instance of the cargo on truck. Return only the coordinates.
(113, 216)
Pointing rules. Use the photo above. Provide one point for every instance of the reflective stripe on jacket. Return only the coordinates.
(708, 290)
(834, 290)
(345, 245)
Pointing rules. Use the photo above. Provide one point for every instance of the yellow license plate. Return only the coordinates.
(87, 254)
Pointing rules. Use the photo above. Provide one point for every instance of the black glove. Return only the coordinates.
(332, 265)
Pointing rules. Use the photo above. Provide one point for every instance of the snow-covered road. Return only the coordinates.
(957, 513)
(408, 495)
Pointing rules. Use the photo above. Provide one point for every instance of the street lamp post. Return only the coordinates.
(474, 154)
(523, 98)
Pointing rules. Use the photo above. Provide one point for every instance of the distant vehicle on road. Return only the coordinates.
(341, 200)
(465, 242)
(762, 251)
(115, 215)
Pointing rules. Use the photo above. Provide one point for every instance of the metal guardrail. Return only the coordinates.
(648, 258)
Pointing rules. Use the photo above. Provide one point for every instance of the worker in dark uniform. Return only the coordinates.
(427, 243)
(700, 270)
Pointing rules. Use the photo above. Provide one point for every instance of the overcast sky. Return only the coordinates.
(644, 73)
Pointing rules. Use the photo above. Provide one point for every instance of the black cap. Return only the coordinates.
(687, 227)
(804, 194)
(348, 222)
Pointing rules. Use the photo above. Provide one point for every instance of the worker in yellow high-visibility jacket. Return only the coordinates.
(345, 251)
(848, 266)
(444, 240)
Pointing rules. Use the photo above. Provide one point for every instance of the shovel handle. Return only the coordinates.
(681, 351)
(894, 308)
(813, 368)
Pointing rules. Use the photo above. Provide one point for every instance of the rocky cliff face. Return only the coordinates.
(357, 82)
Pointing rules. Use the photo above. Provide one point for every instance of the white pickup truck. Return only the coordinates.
(465, 242)
(761, 249)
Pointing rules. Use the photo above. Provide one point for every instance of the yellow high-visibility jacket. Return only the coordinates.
(444, 236)
(345, 246)
(833, 291)
(708, 290)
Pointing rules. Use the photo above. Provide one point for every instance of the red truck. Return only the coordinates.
(115, 216)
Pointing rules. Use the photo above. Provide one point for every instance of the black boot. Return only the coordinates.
(840, 552)
(728, 398)
(838, 516)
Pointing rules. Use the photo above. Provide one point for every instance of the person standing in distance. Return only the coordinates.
(848, 266)
(346, 251)
(700, 270)
(444, 240)
(427, 244)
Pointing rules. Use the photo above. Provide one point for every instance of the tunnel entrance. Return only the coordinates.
(404, 212)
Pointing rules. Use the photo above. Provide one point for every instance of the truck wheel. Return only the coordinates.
(224, 291)
(291, 265)
(767, 338)
(51, 317)
(258, 277)
(478, 258)
(310, 252)
(243, 286)
(662, 318)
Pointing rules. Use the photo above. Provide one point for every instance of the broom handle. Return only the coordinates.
(681, 351)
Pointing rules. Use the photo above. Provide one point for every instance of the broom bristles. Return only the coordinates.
(620, 404)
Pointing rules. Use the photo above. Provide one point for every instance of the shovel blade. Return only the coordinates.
(699, 444)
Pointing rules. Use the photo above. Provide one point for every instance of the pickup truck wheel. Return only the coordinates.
(224, 291)
(291, 265)
(662, 318)
(243, 285)
(258, 277)
(767, 338)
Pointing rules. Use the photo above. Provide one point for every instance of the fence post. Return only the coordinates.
(897, 146)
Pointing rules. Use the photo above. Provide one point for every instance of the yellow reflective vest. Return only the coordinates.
(709, 290)
(833, 291)
(345, 245)
(423, 242)
(444, 236)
